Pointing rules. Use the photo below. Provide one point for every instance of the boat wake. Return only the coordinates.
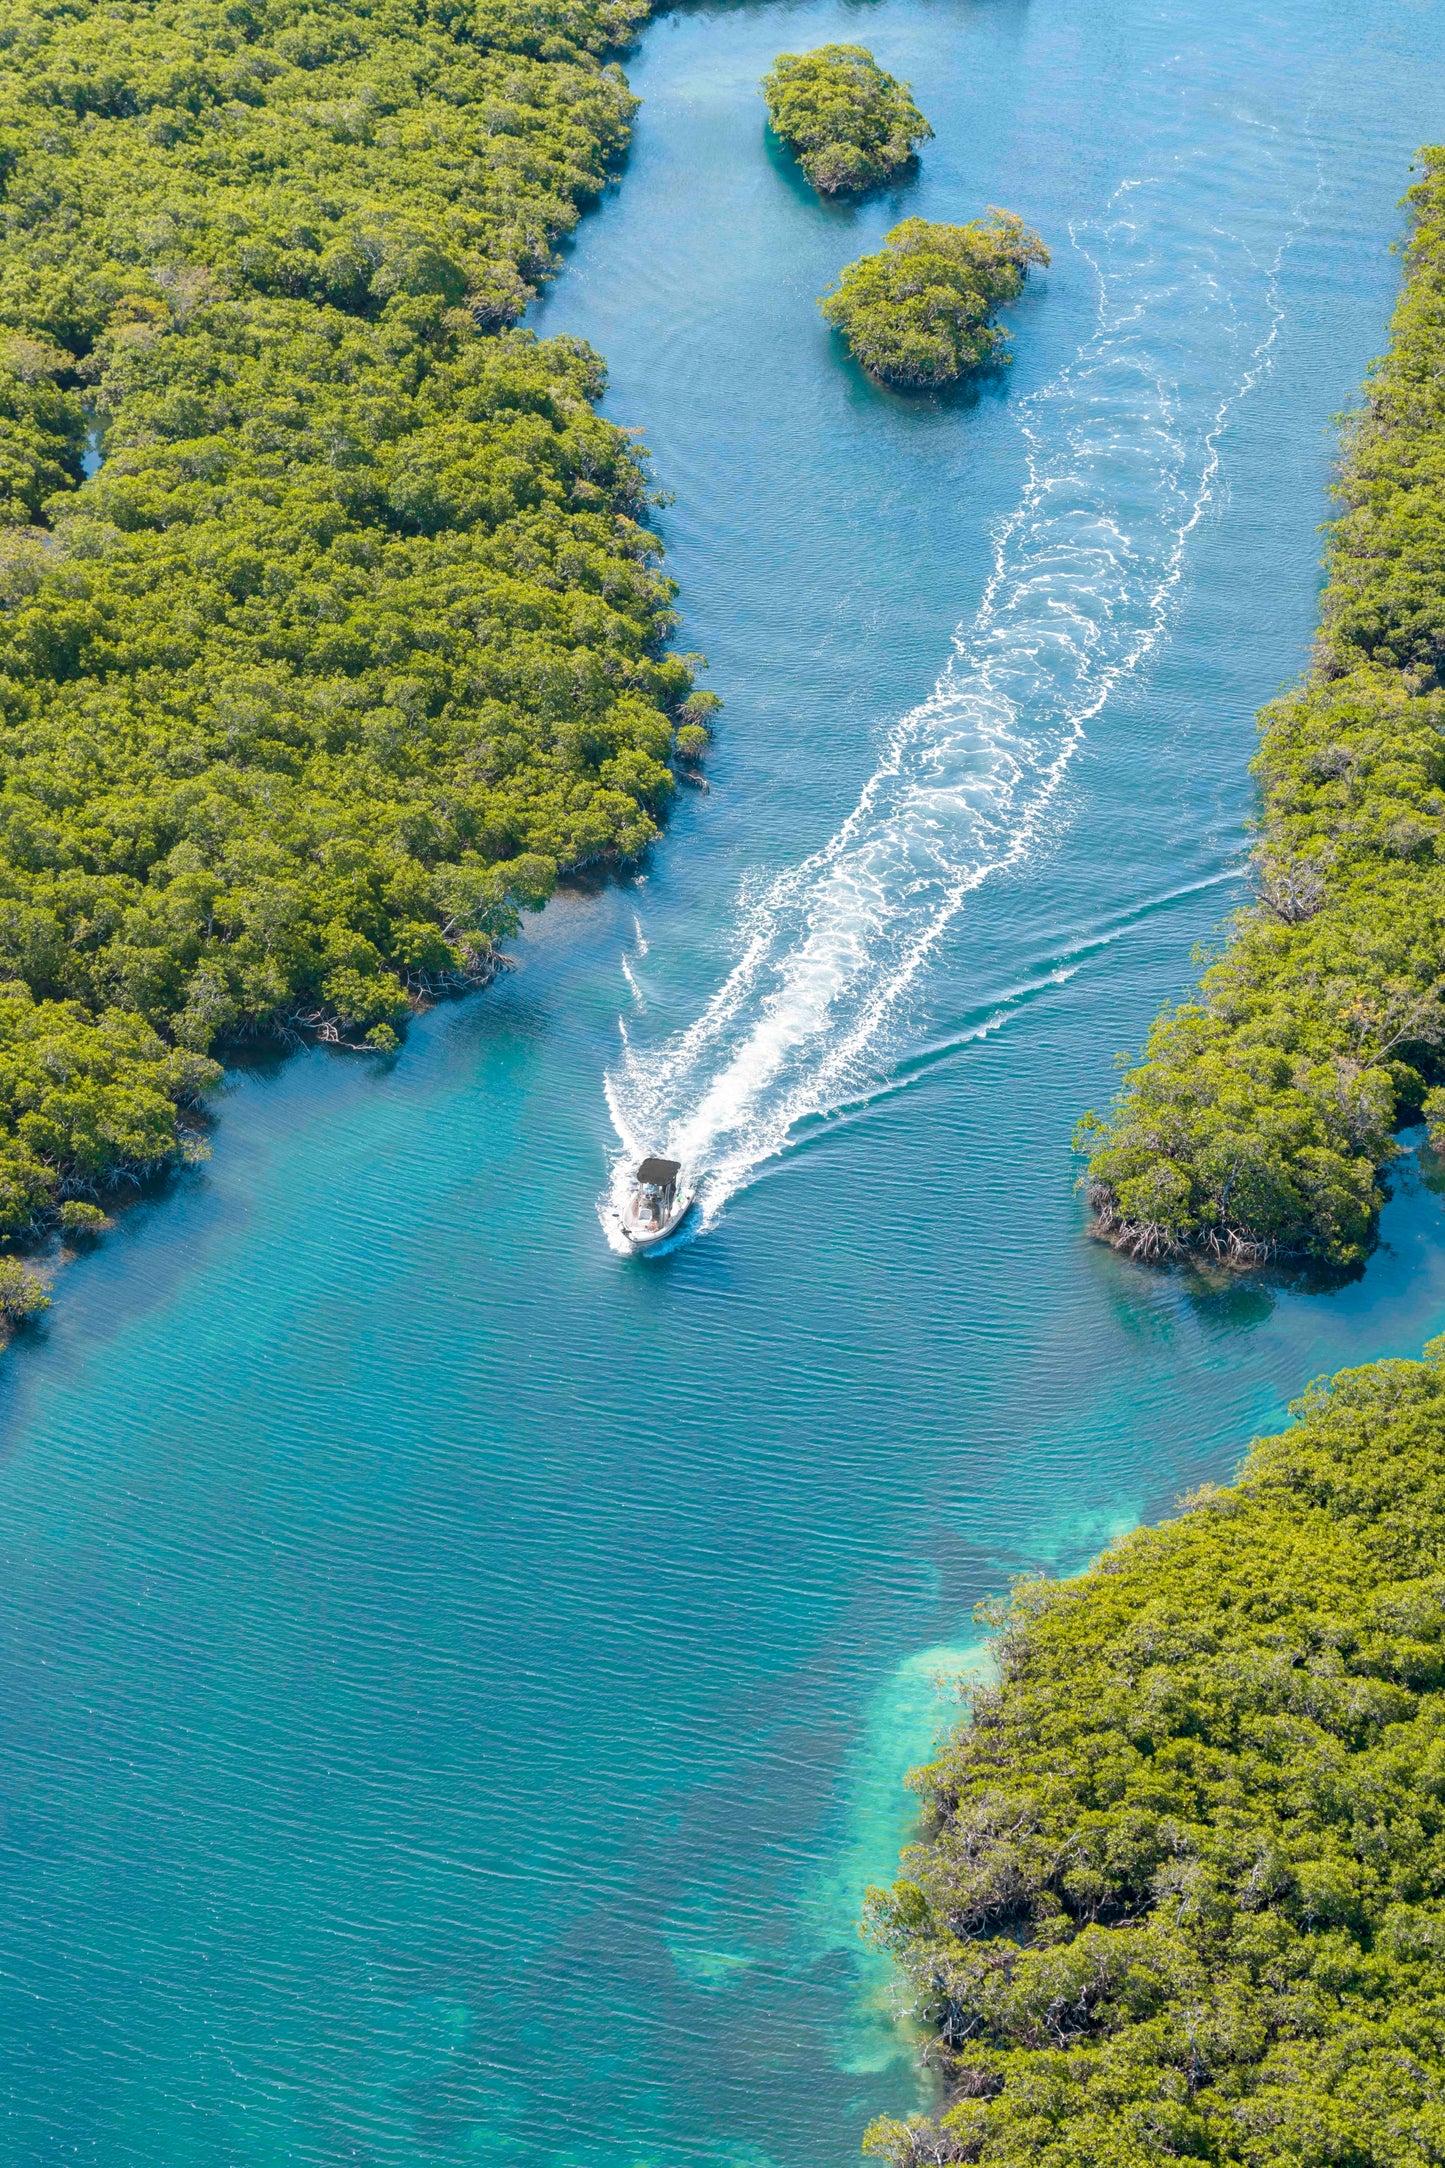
(1123, 453)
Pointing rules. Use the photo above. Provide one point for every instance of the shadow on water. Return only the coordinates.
(1430, 1168)
(981, 387)
(599, 879)
(841, 210)
(1222, 1300)
(1226, 1303)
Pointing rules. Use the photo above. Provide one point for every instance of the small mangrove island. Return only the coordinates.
(850, 124)
(1180, 1892)
(1264, 1111)
(920, 313)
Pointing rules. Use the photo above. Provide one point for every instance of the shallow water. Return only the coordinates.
(456, 1681)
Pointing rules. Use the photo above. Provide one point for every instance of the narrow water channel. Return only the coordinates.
(456, 1682)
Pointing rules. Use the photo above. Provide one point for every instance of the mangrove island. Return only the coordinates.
(920, 313)
(850, 123)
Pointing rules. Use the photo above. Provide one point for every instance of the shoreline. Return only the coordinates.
(1262, 1117)
(357, 1500)
(1143, 1906)
(367, 636)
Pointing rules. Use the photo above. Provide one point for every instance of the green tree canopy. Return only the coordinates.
(1180, 1891)
(920, 312)
(851, 124)
(1264, 1111)
(357, 637)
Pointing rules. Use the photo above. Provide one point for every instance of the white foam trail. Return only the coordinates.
(1123, 463)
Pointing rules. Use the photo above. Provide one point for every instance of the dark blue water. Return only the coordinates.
(456, 1681)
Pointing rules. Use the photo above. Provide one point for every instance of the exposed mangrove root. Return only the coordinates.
(1151, 1242)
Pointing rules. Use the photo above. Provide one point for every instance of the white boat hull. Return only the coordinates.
(643, 1235)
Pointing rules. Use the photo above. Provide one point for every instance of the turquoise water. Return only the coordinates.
(456, 1680)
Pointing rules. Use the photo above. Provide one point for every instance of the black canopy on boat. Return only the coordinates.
(664, 1172)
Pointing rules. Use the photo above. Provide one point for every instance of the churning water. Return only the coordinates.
(1122, 451)
(456, 1682)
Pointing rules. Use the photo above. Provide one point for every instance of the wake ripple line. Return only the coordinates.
(1084, 574)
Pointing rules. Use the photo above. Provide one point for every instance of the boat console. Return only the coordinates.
(658, 1202)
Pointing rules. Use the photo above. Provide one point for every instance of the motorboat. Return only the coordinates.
(658, 1203)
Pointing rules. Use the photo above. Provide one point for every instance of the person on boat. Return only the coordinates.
(656, 1188)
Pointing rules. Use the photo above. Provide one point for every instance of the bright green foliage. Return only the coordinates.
(920, 312)
(1181, 1888)
(694, 732)
(41, 431)
(1263, 1113)
(851, 124)
(355, 640)
(22, 1293)
(76, 1217)
(84, 1095)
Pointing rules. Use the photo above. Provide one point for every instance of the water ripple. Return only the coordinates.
(1123, 462)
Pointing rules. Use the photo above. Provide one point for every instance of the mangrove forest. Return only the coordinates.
(1180, 1889)
(1264, 1112)
(331, 625)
